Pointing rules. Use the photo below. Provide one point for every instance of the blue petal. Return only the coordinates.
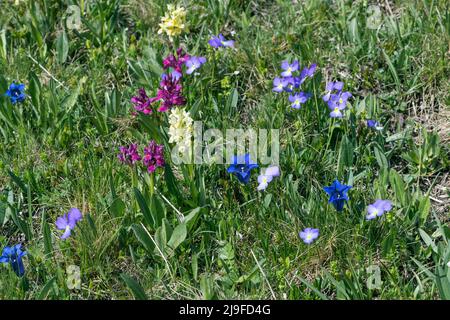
(232, 169)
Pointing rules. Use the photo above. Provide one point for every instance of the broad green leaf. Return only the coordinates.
(424, 209)
(381, 158)
(178, 236)
(346, 154)
(192, 218)
(117, 207)
(314, 289)
(46, 289)
(62, 47)
(142, 235)
(398, 185)
(144, 208)
(48, 246)
(207, 287)
(136, 289)
(427, 239)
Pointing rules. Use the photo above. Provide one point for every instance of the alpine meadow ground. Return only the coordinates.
(109, 191)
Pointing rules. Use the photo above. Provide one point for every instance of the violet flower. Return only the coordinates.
(153, 156)
(68, 222)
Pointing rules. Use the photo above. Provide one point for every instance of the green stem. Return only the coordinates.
(151, 185)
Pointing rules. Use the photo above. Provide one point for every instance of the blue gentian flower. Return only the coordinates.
(298, 99)
(309, 235)
(194, 63)
(68, 222)
(338, 194)
(241, 167)
(16, 92)
(289, 68)
(13, 256)
(378, 208)
(220, 41)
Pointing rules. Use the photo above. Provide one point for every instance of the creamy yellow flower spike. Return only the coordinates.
(181, 128)
(173, 23)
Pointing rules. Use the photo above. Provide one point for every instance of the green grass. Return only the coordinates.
(59, 150)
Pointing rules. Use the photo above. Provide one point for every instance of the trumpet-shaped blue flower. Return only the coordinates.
(16, 92)
(13, 256)
(241, 167)
(338, 194)
(68, 222)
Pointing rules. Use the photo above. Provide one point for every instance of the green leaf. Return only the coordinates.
(178, 236)
(424, 269)
(396, 136)
(427, 239)
(144, 208)
(314, 289)
(206, 286)
(346, 154)
(192, 218)
(62, 47)
(157, 210)
(388, 244)
(171, 182)
(232, 101)
(424, 209)
(48, 246)
(392, 70)
(443, 283)
(2, 213)
(136, 289)
(18, 181)
(143, 236)
(117, 207)
(398, 185)
(34, 89)
(194, 265)
(69, 102)
(46, 289)
(381, 158)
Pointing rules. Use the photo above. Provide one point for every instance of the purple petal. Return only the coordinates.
(74, 216)
(62, 222)
(273, 171)
(66, 233)
(228, 43)
(338, 85)
(262, 186)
